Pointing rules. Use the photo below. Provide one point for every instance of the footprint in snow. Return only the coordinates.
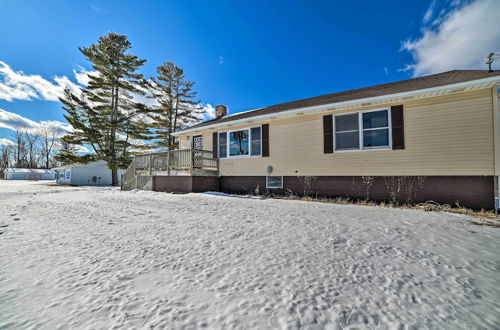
(13, 214)
(3, 226)
(16, 219)
(1, 232)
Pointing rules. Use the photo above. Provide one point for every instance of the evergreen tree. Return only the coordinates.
(175, 105)
(68, 153)
(105, 115)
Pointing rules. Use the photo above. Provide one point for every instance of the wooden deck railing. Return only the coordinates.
(185, 159)
(176, 160)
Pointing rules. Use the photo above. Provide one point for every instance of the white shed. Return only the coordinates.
(12, 173)
(91, 174)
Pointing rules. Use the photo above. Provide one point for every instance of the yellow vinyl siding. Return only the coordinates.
(186, 143)
(449, 135)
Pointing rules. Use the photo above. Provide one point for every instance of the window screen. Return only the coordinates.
(222, 145)
(347, 132)
(375, 129)
(373, 133)
(256, 144)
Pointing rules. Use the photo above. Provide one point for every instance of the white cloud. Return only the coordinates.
(82, 75)
(14, 122)
(18, 85)
(221, 60)
(98, 9)
(458, 38)
(144, 99)
(60, 128)
(82, 149)
(209, 111)
(204, 112)
(6, 142)
(429, 13)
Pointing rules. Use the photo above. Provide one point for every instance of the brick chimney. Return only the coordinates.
(220, 111)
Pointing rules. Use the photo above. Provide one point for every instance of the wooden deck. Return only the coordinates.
(186, 162)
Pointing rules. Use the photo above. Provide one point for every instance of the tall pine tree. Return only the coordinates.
(68, 153)
(175, 108)
(105, 115)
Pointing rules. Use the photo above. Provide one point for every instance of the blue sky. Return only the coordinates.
(245, 54)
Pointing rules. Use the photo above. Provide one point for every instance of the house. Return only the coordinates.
(91, 174)
(12, 173)
(429, 138)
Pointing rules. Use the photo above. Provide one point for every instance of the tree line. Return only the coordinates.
(120, 112)
(31, 148)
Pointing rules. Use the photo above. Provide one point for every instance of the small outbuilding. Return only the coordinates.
(91, 174)
(13, 173)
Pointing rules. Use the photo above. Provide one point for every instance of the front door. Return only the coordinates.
(197, 156)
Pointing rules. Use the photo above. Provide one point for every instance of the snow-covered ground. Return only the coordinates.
(102, 258)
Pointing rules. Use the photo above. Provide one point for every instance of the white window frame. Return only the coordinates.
(249, 130)
(218, 144)
(267, 182)
(260, 140)
(349, 131)
(361, 129)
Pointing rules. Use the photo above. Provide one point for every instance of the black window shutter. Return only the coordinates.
(328, 134)
(398, 131)
(215, 145)
(265, 140)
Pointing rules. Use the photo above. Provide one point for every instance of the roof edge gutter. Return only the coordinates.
(390, 98)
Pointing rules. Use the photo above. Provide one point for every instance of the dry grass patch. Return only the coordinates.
(492, 219)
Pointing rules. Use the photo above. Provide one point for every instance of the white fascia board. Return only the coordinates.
(390, 98)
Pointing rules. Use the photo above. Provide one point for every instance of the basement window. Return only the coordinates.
(274, 182)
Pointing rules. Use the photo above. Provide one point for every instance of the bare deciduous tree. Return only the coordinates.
(48, 133)
(21, 159)
(33, 149)
(6, 154)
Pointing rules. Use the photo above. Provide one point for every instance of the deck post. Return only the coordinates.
(178, 162)
(192, 162)
(168, 163)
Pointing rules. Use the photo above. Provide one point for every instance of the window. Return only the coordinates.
(242, 143)
(274, 182)
(223, 145)
(347, 132)
(362, 130)
(375, 129)
(256, 141)
(239, 143)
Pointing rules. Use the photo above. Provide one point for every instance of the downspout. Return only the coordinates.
(496, 143)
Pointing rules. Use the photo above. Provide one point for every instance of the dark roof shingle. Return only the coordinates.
(436, 80)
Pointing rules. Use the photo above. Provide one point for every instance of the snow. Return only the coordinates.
(17, 170)
(101, 258)
(29, 170)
